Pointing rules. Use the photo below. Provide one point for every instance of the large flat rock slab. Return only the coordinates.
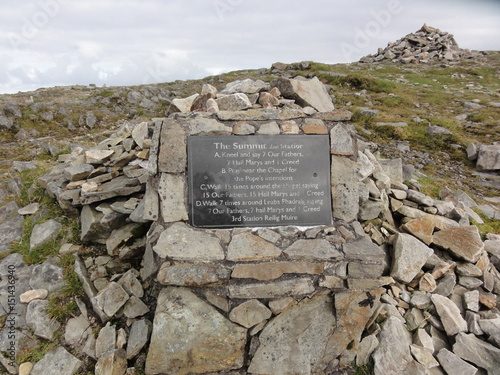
(191, 336)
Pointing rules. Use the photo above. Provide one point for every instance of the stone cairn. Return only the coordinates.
(426, 45)
(399, 278)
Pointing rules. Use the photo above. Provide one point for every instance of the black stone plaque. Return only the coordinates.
(250, 181)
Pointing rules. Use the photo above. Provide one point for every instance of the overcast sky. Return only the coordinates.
(48, 43)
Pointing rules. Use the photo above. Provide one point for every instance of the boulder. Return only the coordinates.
(191, 336)
(305, 92)
(488, 157)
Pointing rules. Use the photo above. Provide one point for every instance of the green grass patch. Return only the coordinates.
(36, 354)
(489, 226)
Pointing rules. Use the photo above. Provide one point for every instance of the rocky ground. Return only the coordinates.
(413, 254)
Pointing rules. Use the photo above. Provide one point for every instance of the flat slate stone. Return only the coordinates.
(295, 341)
(345, 188)
(410, 255)
(44, 233)
(463, 242)
(191, 336)
(180, 242)
(450, 316)
(57, 362)
(313, 249)
(274, 270)
(37, 318)
(172, 156)
(479, 352)
(189, 274)
(48, 276)
(250, 313)
(453, 364)
(281, 288)
(246, 247)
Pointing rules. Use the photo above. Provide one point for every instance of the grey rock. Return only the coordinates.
(424, 356)
(113, 362)
(434, 130)
(6, 123)
(121, 236)
(393, 124)
(76, 331)
(420, 198)
(44, 233)
(491, 327)
(10, 231)
(250, 313)
(37, 318)
(270, 128)
(342, 142)
(409, 257)
(48, 276)
(181, 242)
(138, 337)
(106, 340)
(243, 128)
(488, 157)
(120, 186)
(446, 284)
(247, 86)
(134, 308)
(111, 298)
(96, 226)
(234, 102)
(249, 247)
(208, 126)
(172, 155)
(316, 249)
(189, 274)
(172, 198)
(471, 300)
(30, 209)
(184, 105)
(472, 151)
(393, 354)
(364, 250)
(281, 288)
(453, 364)
(295, 341)
(482, 354)
(365, 349)
(463, 242)
(306, 93)
(449, 314)
(131, 283)
(345, 188)
(206, 342)
(20, 166)
(57, 362)
(473, 323)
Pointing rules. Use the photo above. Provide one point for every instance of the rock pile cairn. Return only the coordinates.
(398, 278)
(426, 45)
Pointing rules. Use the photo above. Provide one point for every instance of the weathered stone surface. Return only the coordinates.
(189, 274)
(315, 249)
(37, 318)
(117, 187)
(10, 231)
(172, 198)
(243, 128)
(279, 305)
(131, 283)
(423, 228)
(453, 364)
(184, 104)
(345, 188)
(181, 242)
(281, 288)
(78, 172)
(190, 336)
(76, 330)
(463, 242)
(365, 349)
(113, 362)
(209, 126)
(449, 314)
(423, 356)
(353, 310)
(48, 276)
(44, 233)
(134, 308)
(295, 341)
(234, 102)
(138, 337)
(246, 247)
(270, 128)
(250, 313)
(57, 362)
(342, 142)
(272, 271)
(247, 86)
(393, 356)
(111, 298)
(106, 340)
(409, 257)
(491, 327)
(172, 154)
(310, 92)
(364, 250)
(488, 157)
(267, 100)
(482, 354)
(33, 294)
(120, 236)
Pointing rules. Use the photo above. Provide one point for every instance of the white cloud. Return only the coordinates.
(134, 42)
